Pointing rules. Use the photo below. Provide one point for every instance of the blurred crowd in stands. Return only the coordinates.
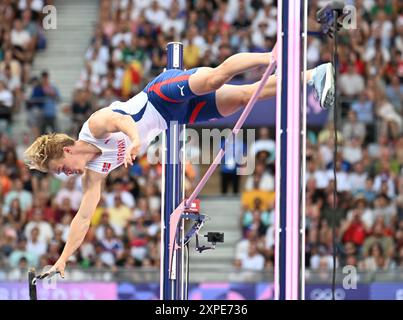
(126, 51)
(369, 163)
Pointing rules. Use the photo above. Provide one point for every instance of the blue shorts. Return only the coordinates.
(170, 94)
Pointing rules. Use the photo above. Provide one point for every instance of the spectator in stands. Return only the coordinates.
(21, 251)
(81, 108)
(40, 204)
(8, 241)
(191, 53)
(87, 250)
(64, 208)
(153, 197)
(112, 246)
(45, 229)
(119, 187)
(253, 260)
(391, 123)
(319, 175)
(5, 181)
(15, 216)
(242, 246)
(353, 129)
(261, 179)
(98, 55)
(369, 193)
(63, 227)
(13, 84)
(379, 235)
(6, 105)
(120, 214)
(376, 259)
(394, 93)
(351, 83)
(107, 97)
(35, 245)
(32, 26)
(329, 213)
(263, 143)
(384, 208)
(350, 254)
(22, 43)
(231, 164)
(141, 208)
(136, 235)
(321, 259)
(50, 98)
(103, 224)
(342, 174)
(155, 14)
(352, 151)
(53, 252)
(12, 63)
(354, 229)
(364, 109)
(257, 219)
(358, 178)
(174, 21)
(13, 164)
(24, 197)
(153, 225)
(69, 191)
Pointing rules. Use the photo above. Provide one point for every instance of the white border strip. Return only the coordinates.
(303, 167)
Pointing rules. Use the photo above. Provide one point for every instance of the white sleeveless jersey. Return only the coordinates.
(149, 123)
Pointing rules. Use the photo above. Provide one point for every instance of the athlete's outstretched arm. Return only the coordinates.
(92, 183)
(206, 80)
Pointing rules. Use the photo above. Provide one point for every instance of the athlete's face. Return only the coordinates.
(69, 164)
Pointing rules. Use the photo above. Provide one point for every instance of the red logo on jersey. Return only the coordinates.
(106, 166)
(106, 141)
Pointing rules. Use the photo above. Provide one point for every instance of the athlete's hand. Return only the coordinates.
(58, 267)
(131, 152)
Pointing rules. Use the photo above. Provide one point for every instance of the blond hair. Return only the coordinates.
(45, 148)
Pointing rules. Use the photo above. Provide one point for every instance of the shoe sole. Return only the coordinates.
(329, 83)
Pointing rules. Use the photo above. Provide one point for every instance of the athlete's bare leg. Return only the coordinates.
(230, 98)
(206, 80)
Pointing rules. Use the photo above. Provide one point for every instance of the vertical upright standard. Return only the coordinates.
(289, 154)
(172, 192)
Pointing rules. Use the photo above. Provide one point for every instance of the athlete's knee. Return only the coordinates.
(245, 93)
(207, 80)
(217, 78)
